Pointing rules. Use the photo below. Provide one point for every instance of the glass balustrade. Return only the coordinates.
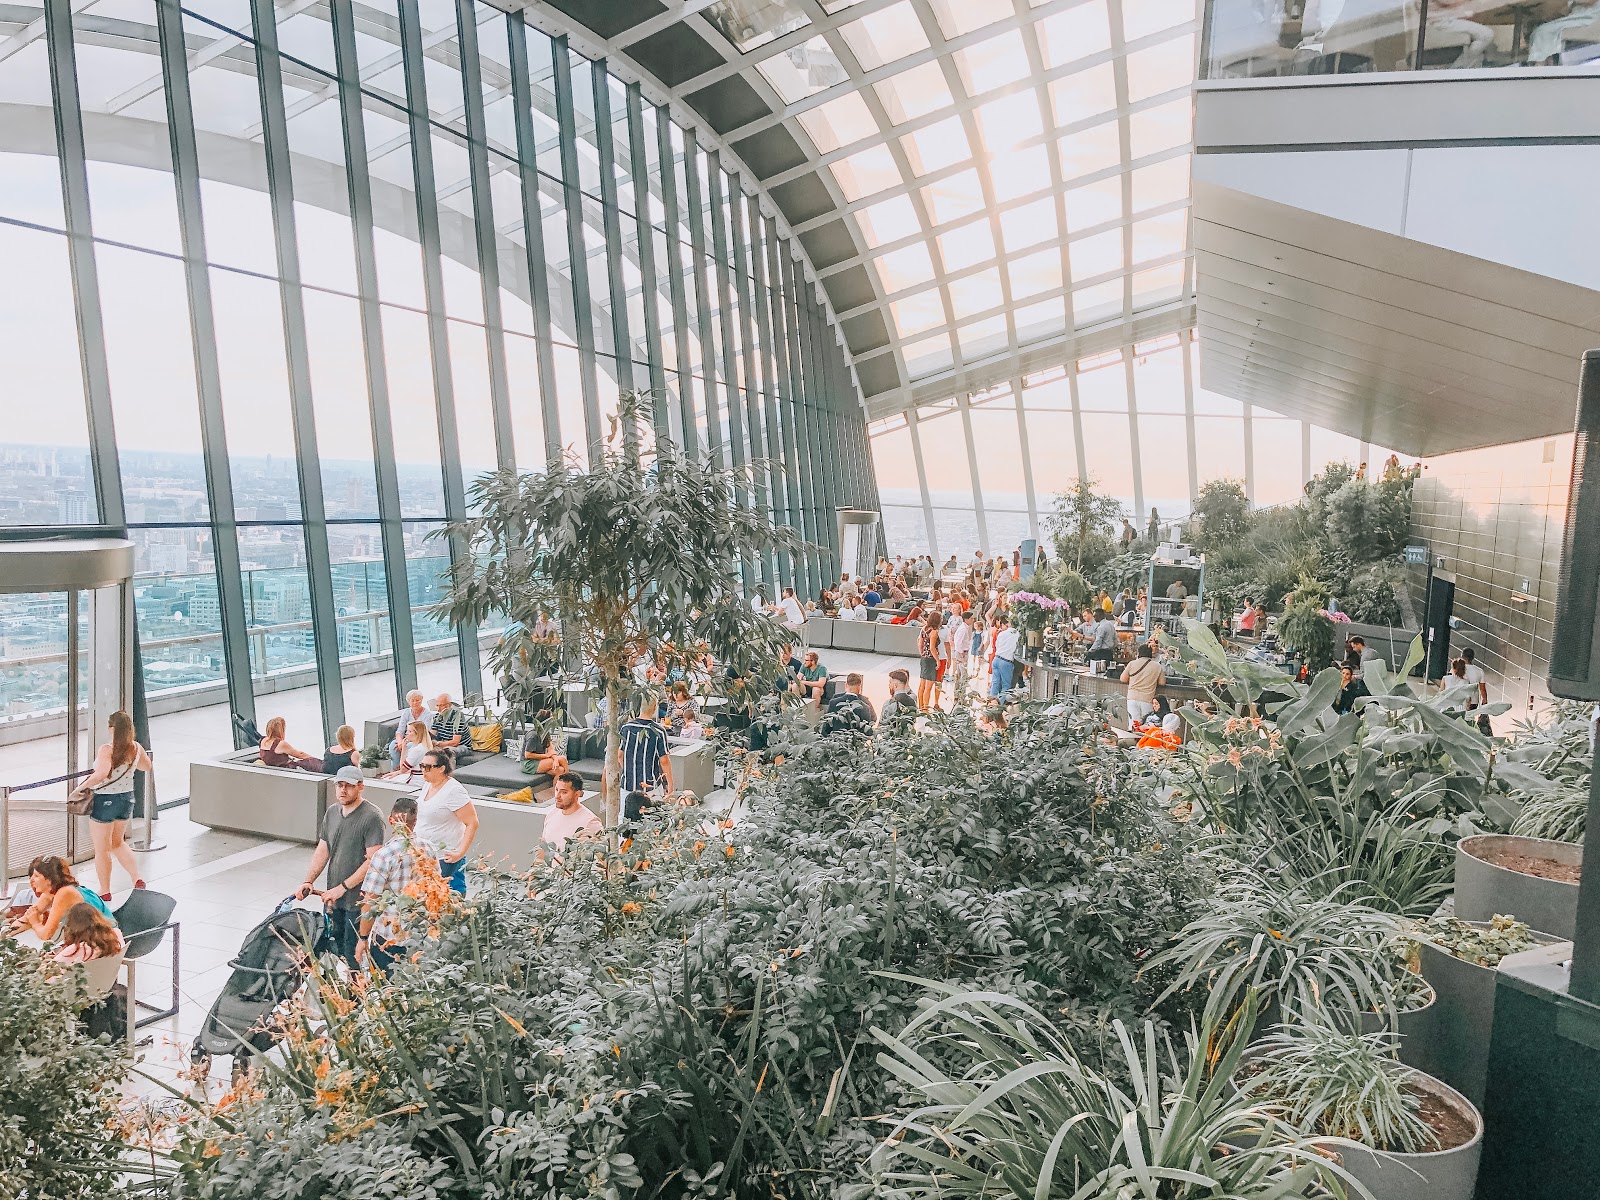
(1254, 39)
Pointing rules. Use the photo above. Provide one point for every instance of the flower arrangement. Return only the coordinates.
(1030, 611)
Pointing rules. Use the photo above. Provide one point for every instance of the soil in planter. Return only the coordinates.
(1528, 864)
(1453, 1127)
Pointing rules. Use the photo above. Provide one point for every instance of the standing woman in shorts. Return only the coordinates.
(928, 654)
(112, 782)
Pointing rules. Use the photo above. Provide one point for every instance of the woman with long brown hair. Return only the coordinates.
(87, 934)
(56, 891)
(112, 783)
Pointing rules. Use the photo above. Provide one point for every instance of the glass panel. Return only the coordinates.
(30, 183)
(1165, 182)
(748, 26)
(1094, 204)
(527, 412)
(1153, 130)
(1009, 121)
(469, 370)
(145, 304)
(427, 569)
(885, 36)
(1098, 148)
(175, 606)
(871, 170)
(45, 477)
(992, 63)
(994, 433)
(839, 122)
(963, 16)
(1160, 68)
(960, 195)
(255, 396)
(1276, 445)
(802, 70)
(1084, 94)
(1219, 447)
(1052, 443)
(944, 456)
(360, 598)
(409, 366)
(1163, 453)
(339, 397)
(1074, 33)
(937, 146)
(1029, 224)
(1020, 173)
(277, 602)
(914, 93)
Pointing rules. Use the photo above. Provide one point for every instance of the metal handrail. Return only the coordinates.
(143, 845)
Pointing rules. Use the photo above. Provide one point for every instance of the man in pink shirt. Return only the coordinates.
(569, 818)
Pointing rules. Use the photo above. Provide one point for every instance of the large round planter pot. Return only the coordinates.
(1436, 1175)
(1450, 1039)
(1485, 888)
(1407, 1022)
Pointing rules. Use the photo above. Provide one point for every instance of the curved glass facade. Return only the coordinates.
(288, 276)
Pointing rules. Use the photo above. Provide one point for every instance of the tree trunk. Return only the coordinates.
(611, 788)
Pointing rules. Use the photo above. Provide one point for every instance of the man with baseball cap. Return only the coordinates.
(351, 830)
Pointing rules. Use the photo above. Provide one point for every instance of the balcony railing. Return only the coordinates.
(1254, 39)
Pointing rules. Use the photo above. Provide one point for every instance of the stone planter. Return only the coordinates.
(1434, 1175)
(1450, 1039)
(1484, 888)
(1407, 1022)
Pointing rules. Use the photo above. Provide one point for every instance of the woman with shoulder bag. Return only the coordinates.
(111, 802)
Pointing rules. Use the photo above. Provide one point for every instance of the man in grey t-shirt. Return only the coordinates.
(351, 830)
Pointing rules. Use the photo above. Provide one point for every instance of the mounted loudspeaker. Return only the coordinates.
(1575, 654)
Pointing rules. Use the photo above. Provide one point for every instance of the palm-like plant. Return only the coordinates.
(1301, 950)
(1331, 1084)
(1008, 1108)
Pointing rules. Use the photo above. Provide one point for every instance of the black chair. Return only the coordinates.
(144, 919)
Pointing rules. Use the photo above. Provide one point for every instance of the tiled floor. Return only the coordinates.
(226, 883)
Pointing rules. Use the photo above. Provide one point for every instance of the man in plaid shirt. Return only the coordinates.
(392, 867)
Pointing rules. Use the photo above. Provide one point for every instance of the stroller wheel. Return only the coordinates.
(241, 1065)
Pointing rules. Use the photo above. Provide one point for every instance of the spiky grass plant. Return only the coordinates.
(1330, 1084)
(1005, 1107)
(1301, 951)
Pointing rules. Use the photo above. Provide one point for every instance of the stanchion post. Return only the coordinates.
(148, 843)
(5, 839)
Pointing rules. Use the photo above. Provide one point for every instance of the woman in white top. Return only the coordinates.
(112, 784)
(447, 822)
(418, 742)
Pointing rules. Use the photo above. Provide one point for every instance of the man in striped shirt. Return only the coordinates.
(645, 764)
(449, 727)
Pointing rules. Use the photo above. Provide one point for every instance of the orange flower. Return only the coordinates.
(632, 907)
(698, 846)
(728, 851)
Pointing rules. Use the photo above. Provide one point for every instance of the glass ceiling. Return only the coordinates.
(1012, 171)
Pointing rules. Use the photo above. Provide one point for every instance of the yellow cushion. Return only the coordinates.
(525, 796)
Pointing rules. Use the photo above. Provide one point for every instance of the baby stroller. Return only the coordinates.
(269, 969)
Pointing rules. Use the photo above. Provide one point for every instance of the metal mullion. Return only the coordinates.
(208, 375)
(104, 464)
(1077, 422)
(577, 248)
(964, 403)
(697, 254)
(730, 372)
(484, 229)
(313, 512)
(611, 221)
(639, 165)
(767, 361)
(533, 235)
(688, 435)
(397, 580)
(775, 335)
(821, 432)
(1186, 340)
(928, 525)
(805, 446)
(1250, 455)
(455, 497)
(757, 425)
(1027, 458)
(1133, 434)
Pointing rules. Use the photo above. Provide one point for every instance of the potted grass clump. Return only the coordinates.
(1409, 997)
(1459, 958)
(1535, 878)
(1399, 1132)
(1296, 949)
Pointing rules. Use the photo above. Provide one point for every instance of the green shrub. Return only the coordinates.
(57, 1089)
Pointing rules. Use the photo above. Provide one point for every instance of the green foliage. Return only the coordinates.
(1330, 1084)
(1484, 946)
(695, 1009)
(1560, 815)
(1547, 767)
(1063, 582)
(1371, 596)
(57, 1088)
(637, 557)
(1306, 629)
(371, 756)
(1008, 1107)
(1084, 528)
(1223, 512)
(1306, 954)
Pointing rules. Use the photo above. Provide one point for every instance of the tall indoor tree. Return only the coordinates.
(638, 557)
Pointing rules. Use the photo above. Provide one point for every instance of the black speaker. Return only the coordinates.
(1575, 654)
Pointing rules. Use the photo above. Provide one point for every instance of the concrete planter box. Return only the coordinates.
(232, 792)
(1450, 1040)
(1436, 1175)
(1407, 1022)
(1484, 889)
